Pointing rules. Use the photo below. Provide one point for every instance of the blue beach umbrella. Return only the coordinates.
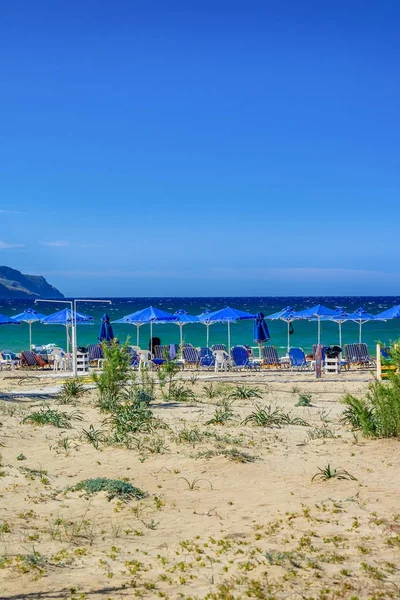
(361, 316)
(228, 315)
(106, 332)
(66, 317)
(287, 315)
(147, 315)
(183, 318)
(318, 313)
(8, 320)
(30, 315)
(390, 313)
(260, 331)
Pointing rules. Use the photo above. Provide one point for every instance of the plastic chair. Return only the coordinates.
(221, 360)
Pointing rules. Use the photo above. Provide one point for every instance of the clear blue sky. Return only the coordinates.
(201, 147)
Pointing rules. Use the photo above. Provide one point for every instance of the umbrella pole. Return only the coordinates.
(30, 336)
(288, 336)
(229, 337)
(340, 334)
(360, 338)
(151, 337)
(208, 334)
(319, 331)
(137, 335)
(181, 328)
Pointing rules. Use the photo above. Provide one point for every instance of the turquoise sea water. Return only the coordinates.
(17, 337)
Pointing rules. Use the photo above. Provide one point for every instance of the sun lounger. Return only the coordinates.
(206, 358)
(365, 356)
(95, 354)
(270, 357)
(241, 360)
(358, 355)
(29, 359)
(298, 359)
(190, 355)
(7, 361)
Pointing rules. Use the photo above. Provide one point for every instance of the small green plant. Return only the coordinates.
(268, 417)
(222, 414)
(193, 379)
(71, 391)
(232, 454)
(329, 472)
(321, 432)
(21, 456)
(116, 372)
(52, 416)
(180, 393)
(93, 436)
(190, 436)
(304, 399)
(193, 484)
(245, 392)
(166, 375)
(115, 488)
(210, 391)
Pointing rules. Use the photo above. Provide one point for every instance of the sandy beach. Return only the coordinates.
(231, 510)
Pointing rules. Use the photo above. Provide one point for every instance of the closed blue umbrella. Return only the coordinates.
(228, 315)
(30, 315)
(260, 332)
(106, 331)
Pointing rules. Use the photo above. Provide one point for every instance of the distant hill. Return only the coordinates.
(13, 284)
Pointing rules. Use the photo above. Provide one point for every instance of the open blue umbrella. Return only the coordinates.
(318, 313)
(390, 313)
(361, 316)
(228, 315)
(106, 332)
(260, 332)
(30, 315)
(287, 315)
(147, 315)
(183, 318)
(66, 317)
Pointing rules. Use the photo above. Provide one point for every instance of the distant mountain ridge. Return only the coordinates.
(14, 284)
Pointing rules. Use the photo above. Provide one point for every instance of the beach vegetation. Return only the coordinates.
(222, 414)
(269, 417)
(111, 383)
(189, 435)
(70, 392)
(180, 393)
(304, 399)
(330, 472)
(232, 454)
(245, 392)
(321, 432)
(51, 416)
(210, 391)
(93, 436)
(166, 375)
(193, 485)
(115, 488)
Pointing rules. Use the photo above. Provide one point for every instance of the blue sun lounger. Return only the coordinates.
(298, 359)
(240, 359)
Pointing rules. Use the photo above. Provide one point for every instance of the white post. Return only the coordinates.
(151, 338)
(340, 333)
(30, 335)
(181, 330)
(378, 363)
(208, 334)
(229, 337)
(137, 335)
(288, 336)
(360, 331)
(319, 331)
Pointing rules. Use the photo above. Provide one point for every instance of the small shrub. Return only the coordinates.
(180, 393)
(210, 391)
(304, 399)
(113, 379)
(93, 436)
(51, 416)
(329, 472)
(268, 417)
(71, 391)
(222, 414)
(321, 432)
(21, 456)
(190, 436)
(131, 417)
(115, 488)
(245, 392)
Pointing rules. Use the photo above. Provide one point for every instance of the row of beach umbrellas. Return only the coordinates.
(228, 315)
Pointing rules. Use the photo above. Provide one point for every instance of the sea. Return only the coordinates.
(16, 338)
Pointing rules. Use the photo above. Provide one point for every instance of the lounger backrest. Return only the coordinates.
(190, 355)
(239, 356)
(40, 361)
(270, 355)
(297, 357)
(161, 351)
(95, 351)
(352, 353)
(363, 352)
(28, 358)
(218, 347)
(206, 357)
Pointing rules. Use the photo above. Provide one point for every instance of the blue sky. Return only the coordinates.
(201, 148)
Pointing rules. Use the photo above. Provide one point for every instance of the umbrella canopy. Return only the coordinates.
(228, 315)
(287, 315)
(66, 317)
(147, 315)
(8, 320)
(260, 331)
(341, 317)
(318, 312)
(390, 313)
(106, 332)
(183, 318)
(30, 315)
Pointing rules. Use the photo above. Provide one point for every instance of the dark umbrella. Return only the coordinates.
(260, 332)
(106, 331)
